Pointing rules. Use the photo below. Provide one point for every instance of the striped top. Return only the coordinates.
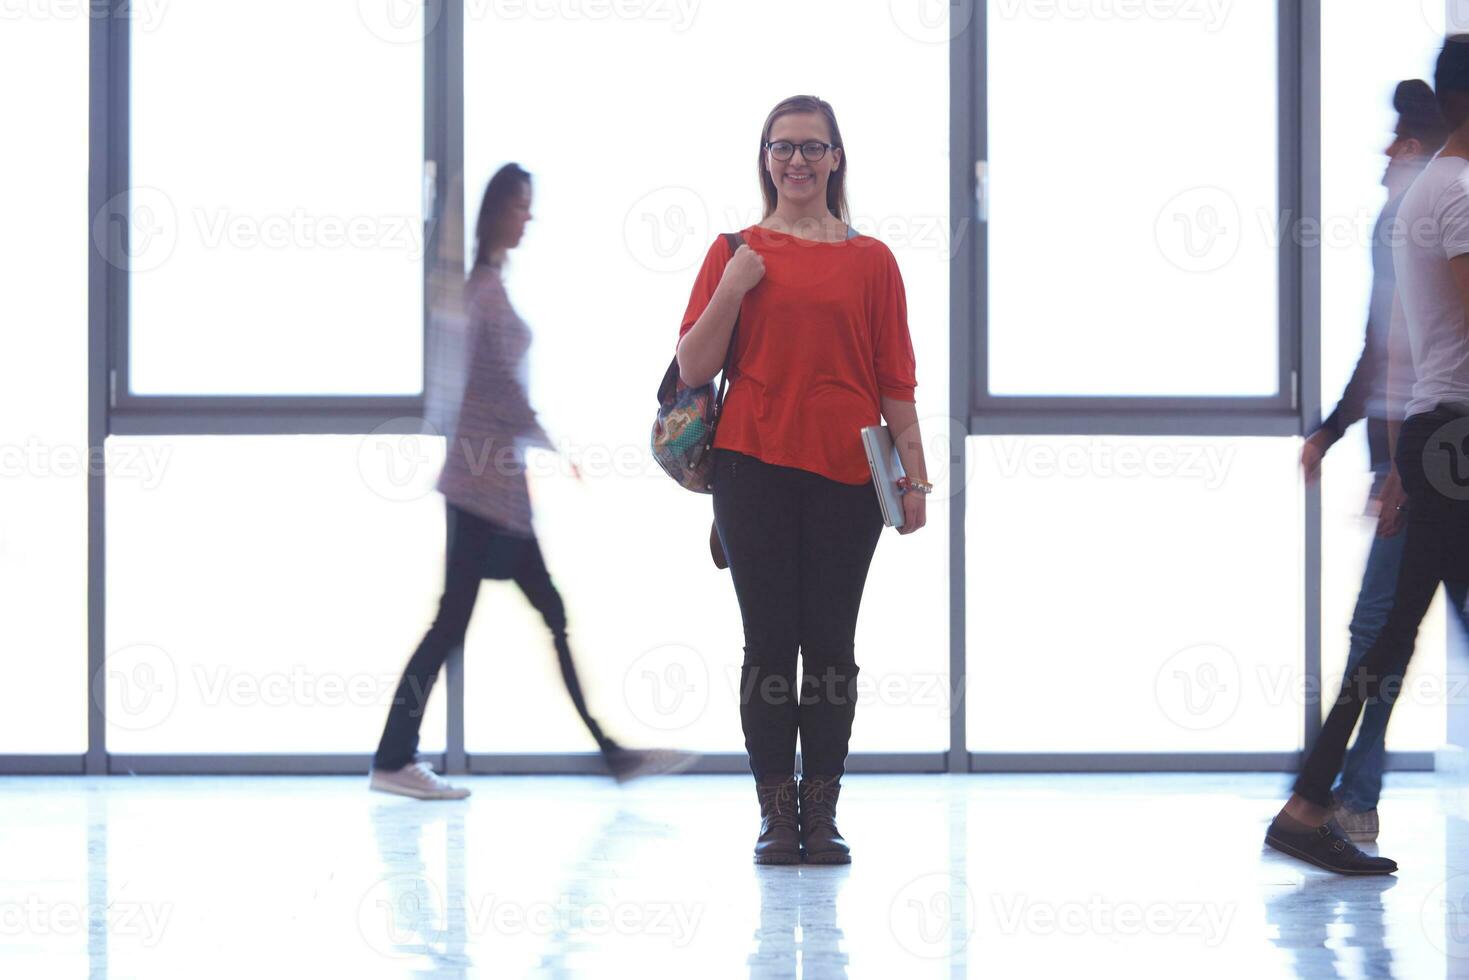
(477, 397)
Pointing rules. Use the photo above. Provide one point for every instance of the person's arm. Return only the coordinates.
(529, 428)
(1371, 364)
(895, 367)
(902, 418)
(1352, 405)
(1392, 499)
(1348, 410)
(1397, 349)
(703, 346)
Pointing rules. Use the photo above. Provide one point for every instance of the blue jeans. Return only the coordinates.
(1360, 785)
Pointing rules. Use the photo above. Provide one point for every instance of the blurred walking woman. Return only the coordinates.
(478, 349)
(821, 350)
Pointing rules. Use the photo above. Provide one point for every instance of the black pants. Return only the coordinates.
(477, 549)
(1433, 462)
(799, 546)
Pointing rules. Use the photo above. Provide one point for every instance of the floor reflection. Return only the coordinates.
(525, 877)
(798, 923)
(421, 913)
(409, 910)
(1333, 927)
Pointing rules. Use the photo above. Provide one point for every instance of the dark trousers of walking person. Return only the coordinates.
(477, 549)
(1433, 462)
(1360, 785)
(799, 546)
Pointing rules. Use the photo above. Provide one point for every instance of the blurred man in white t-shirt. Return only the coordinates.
(1429, 480)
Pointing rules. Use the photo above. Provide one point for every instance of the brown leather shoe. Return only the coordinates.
(779, 842)
(821, 842)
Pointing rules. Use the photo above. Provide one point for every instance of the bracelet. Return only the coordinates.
(907, 485)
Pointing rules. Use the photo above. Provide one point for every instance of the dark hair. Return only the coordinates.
(1451, 81)
(506, 183)
(836, 187)
(1418, 115)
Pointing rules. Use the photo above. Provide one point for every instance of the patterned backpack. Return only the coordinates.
(683, 432)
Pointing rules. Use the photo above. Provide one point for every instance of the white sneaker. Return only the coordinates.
(416, 780)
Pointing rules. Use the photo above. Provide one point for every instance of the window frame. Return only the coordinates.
(135, 414)
(1297, 41)
(1292, 411)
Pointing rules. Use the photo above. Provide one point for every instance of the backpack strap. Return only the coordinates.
(735, 240)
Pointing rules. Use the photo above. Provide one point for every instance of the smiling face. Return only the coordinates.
(800, 181)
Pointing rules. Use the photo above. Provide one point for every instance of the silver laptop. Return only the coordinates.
(882, 457)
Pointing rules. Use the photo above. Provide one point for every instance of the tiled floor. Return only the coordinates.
(992, 876)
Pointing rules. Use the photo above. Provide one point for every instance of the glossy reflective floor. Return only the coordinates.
(993, 876)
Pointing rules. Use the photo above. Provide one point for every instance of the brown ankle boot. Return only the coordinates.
(779, 841)
(821, 842)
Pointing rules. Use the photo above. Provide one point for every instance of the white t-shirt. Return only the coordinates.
(1432, 228)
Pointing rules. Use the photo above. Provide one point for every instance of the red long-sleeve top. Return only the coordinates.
(821, 338)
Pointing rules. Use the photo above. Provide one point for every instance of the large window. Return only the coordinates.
(264, 592)
(1132, 199)
(1132, 594)
(1134, 514)
(44, 460)
(275, 212)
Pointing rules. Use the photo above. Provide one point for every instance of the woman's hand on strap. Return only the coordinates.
(701, 352)
(743, 271)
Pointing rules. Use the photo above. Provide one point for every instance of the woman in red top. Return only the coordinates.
(822, 350)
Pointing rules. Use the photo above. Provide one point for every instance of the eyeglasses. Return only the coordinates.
(812, 150)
